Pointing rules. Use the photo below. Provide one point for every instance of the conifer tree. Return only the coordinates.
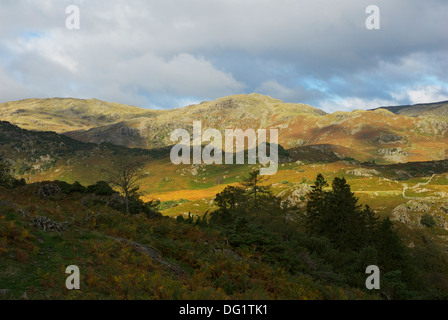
(254, 189)
(316, 206)
(344, 223)
(391, 251)
(371, 224)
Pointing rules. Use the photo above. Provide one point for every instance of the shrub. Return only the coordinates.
(68, 188)
(7, 178)
(101, 188)
(427, 220)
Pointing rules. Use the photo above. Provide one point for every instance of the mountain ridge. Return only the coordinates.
(420, 109)
(380, 134)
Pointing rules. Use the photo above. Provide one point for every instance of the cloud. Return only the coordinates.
(422, 94)
(164, 53)
(347, 104)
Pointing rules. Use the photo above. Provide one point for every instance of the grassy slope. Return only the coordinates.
(34, 261)
(378, 135)
(67, 114)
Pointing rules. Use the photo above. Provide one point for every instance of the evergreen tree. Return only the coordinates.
(316, 206)
(371, 225)
(391, 251)
(254, 190)
(343, 221)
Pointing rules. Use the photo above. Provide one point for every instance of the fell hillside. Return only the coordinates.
(139, 256)
(436, 109)
(386, 135)
(66, 114)
(37, 155)
(44, 156)
(252, 111)
(136, 257)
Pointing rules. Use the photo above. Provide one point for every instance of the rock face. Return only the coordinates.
(48, 190)
(4, 292)
(411, 212)
(389, 138)
(393, 154)
(296, 197)
(45, 224)
(362, 172)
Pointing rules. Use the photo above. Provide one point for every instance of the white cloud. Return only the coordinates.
(424, 94)
(161, 53)
(352, 103)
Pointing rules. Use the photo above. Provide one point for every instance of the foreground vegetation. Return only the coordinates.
(253, 246)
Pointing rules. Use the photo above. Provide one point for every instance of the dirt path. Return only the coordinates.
(418, 185)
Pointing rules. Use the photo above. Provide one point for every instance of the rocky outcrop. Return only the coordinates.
(393, 154)
(48, 190)
(45, 224)
(410, 212)
(389, 138)
(296, 198)
(362, 172)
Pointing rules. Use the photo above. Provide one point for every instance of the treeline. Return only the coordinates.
(333, 239)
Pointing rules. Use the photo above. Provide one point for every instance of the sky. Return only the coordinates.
(173, 53)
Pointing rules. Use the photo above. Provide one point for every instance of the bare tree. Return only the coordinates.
(124, 175)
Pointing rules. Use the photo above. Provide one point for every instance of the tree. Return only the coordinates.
(390, 247)
(252, 183)
(316, 206)
(337, 216)
(228, 201)
(124, 175)
(344, 222)
(230, 198)
(371, 224)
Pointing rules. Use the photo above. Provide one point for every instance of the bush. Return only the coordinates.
(18, 183)
(68, 188)
(101, 188)
(427, 220)
(7, 178)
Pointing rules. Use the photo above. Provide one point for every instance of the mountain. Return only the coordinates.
(436, 109)
(66, 114)
(46, 155)
(384, 135)
(240, 111)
